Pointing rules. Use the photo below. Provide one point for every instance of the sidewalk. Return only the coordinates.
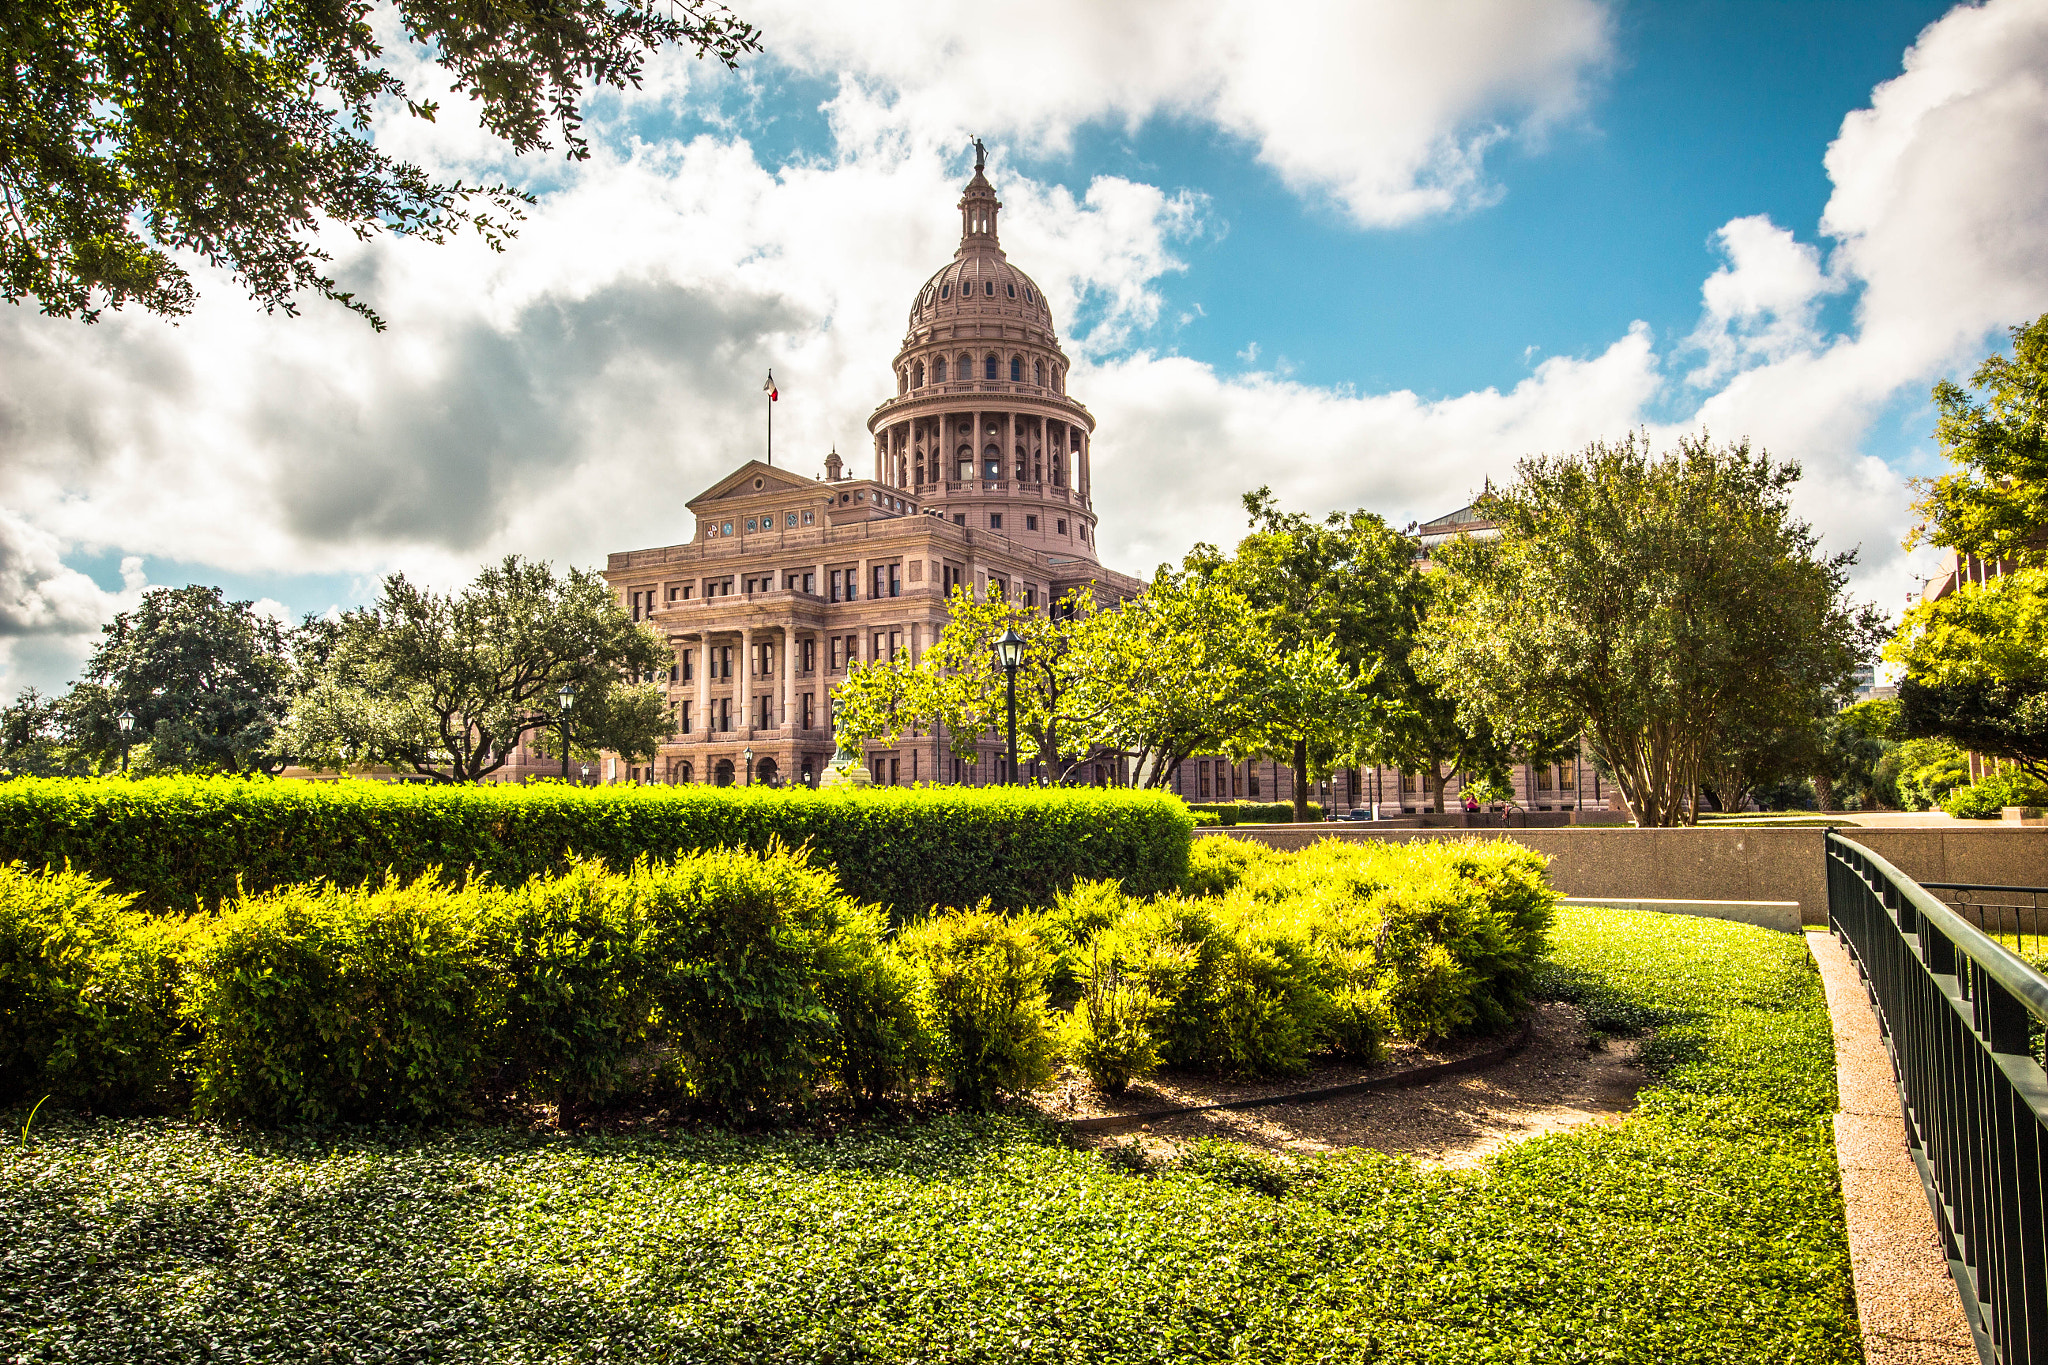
(1905, 1300)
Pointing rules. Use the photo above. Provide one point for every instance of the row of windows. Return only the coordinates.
(988, 290)
(913, 377)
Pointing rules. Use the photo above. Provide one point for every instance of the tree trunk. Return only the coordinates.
(1300, 781)
(1824, 793)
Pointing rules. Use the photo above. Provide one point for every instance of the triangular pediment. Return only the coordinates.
(754, 479)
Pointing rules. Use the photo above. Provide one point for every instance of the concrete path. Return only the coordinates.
(1907, 1303)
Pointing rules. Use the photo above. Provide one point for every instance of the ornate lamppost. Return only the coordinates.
(1010, 654)
(126, 720)
(747, 757)
(567, 696)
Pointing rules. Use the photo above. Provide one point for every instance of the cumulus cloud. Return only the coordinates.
(1388, 109)
(567, 397)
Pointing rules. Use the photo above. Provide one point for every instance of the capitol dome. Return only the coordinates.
(981, 429)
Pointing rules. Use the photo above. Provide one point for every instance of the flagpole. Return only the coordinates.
(770, 387)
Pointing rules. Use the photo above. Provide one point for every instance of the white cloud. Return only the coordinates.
(565, 398)
(1388, 109)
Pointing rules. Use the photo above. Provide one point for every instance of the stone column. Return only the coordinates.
(1009, 465)
(788, 673)
(703, 686)
(744, 688)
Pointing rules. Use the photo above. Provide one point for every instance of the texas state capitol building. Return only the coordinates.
(981, 478)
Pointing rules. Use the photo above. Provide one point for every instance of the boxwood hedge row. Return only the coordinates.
(176, 840)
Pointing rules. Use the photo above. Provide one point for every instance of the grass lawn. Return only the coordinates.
(1707, 1228)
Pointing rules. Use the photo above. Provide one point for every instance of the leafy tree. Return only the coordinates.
(207, 681)
(1174, 672)
(1849, 745)
(1649, 599)
(960, 687)
(448, 685)
(133, 129)
(1350, 580)
(33, 741)
(1995, 504)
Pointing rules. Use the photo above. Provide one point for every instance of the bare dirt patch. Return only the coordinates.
(1564, 1078)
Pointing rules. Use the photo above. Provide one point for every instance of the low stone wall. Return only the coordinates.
(1753, 863)
(1780, 915)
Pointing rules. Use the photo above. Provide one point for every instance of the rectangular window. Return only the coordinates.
(1060, 526)
(959, 518)
(1543, 778)
(895, 768)
(835, 585)
(725, 661)
(724, 705)
(1083, 529)
(895, 642)
(1202, 779)
(880, 584)
(1251, 780)
(1567, 778)
(810, 658)
(810, 583)
(895, 580)
(807, 710)
(835, 654)
(995, 521)
(1030, 597)
(881, 640)
(1030, 522)
(1407, 783)
(686, 718)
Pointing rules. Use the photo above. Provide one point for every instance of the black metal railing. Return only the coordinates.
(2010, 914)
(1960, 1014)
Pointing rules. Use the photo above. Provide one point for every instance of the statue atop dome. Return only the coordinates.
(980, 156)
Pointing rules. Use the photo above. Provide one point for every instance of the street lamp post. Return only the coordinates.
(747, 757)
(1010, 653)
(567, 696)
(126, 720)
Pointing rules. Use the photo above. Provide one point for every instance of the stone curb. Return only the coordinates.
(1399, 1080)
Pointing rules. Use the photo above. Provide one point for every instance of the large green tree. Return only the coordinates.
(206, 680)
(134, 131)
(1976, 660)
(448, 684)
(1647, 598)
(1349, 580)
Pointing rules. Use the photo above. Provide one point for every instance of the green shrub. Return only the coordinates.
(1216, 865)
(320, 1003)
(174, 839)
(1254, 1001)
(571, 955)
(1130, 974)
(1254, 812)
(87, 993)
(987, 976)
(1987, 798)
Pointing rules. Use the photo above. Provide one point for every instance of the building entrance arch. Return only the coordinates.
(722, 774)
(764, 771)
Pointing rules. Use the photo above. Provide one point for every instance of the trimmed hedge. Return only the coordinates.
(174, 841)
(1255, 812)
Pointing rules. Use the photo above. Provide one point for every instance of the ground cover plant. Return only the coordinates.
(1705, 1228)
(177, 840)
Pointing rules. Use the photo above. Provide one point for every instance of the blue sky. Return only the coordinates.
(1372, 270)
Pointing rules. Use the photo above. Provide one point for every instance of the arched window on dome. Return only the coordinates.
(939, 370)
(964, 367)
(918, 372)
(903, 381)
(988, 366)
(990, 288)
(1016, 369)
(1012, 287)
(964, 458)
(1038, 373)
(1023, 464)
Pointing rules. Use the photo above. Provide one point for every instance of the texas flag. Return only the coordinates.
(769, 387)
